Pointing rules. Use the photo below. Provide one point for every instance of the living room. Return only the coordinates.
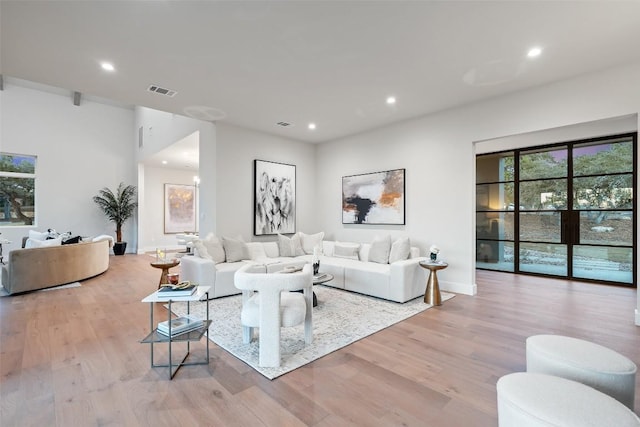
(425, 147)
(82, 148)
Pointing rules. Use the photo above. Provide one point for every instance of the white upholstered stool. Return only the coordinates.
(585, 362)
(527, 399)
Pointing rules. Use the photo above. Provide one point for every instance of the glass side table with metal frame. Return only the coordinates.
(154, 337)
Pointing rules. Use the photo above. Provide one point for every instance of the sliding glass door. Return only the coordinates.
(565, 210)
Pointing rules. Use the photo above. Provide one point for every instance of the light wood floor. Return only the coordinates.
(72, 358)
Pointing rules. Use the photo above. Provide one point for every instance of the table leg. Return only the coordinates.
(163, 277)
(432, 294)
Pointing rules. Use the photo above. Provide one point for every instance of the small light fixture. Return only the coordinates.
(196, 180)
(107, 66)
(312, 126)
(534, 51)
(391, 100)
(164, 162)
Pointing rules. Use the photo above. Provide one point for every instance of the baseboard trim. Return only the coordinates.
(458, 288)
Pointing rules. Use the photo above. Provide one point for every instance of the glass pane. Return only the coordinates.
(494, 167)
(602, 263)
(17, 163)
(604, 192)
(599, 158)
(606, 228)
(494, 196)
(543, 195)
(17, 197)
(540, 227)
(544, 164)
(543, 258)
(494, 225)
(494, 255)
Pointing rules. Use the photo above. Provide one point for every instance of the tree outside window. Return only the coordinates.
(17, 189)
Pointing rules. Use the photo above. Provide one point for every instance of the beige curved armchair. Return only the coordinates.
(267, 304)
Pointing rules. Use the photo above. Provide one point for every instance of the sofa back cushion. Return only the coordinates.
(346, 250)
(256, 250)
(327, 247)
(311, 241)
(271, 249)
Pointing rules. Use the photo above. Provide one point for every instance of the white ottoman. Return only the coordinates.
(526, 400)
(585, 362)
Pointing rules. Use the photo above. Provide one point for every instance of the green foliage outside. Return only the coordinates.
(591, 189)
(17, 194)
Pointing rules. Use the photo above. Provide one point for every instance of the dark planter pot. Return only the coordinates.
(119, 248)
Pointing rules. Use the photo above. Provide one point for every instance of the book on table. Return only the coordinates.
(180, 325)
(168, 291)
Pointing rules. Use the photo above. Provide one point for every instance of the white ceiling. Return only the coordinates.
(256, 63)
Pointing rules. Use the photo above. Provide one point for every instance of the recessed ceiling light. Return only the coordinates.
(391, 100)
(533, 52)
(164, 162)
(312, 126)
(107, 66)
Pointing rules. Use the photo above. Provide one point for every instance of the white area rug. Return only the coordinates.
(3, 292)
(340, 318)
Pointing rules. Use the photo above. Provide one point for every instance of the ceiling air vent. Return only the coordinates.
(162, 91)
(283, 124)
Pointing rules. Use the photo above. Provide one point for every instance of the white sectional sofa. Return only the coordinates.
(349, 263)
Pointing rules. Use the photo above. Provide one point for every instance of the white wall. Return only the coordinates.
(80, 150)
(237, 148)
(606, 127)
(160, 130)
(152, 235)
(439, 155)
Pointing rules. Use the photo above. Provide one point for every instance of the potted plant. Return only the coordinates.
(118, 207)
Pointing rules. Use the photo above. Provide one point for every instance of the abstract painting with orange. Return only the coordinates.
(374, 198)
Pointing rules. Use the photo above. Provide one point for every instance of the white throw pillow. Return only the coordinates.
(379, 250)
(290, 246)
(310, 241)
(215, 248)
(346, 250)
(235, 249)
(36, 235)
(400, 250)
(45, 243)
(200, 250)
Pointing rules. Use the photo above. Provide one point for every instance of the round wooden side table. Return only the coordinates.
(432, 293)
(165, 266)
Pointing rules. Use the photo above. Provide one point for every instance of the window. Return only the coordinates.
(17, 189)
